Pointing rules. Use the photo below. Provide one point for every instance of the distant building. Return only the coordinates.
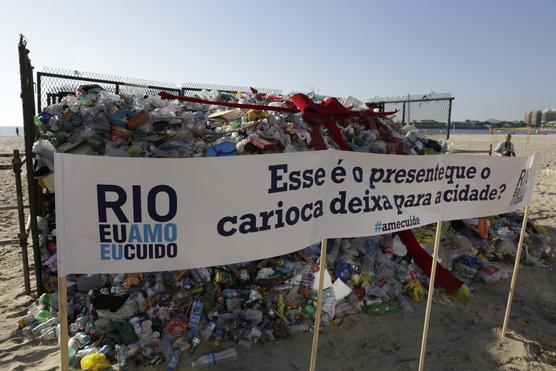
(548, 115)
(527, 118)
(536, 119)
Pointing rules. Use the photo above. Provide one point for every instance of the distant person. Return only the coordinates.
(17, 131)
(506, 148)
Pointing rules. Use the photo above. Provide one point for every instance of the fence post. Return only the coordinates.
(16, 161)
(39, 90)
(28, 105)
(449, 119)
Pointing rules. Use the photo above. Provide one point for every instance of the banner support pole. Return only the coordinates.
(429, 296)
(514, 274)
(64, 336)
(316, 328)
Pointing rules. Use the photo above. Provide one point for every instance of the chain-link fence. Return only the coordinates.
(430, 112)
(192, 88)
(55, 83)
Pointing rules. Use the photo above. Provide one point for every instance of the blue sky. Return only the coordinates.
(496, 57)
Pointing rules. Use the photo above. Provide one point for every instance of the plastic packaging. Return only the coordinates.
(95, 362)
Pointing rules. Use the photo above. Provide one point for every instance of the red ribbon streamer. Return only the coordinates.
(317, 115)
(444, 277)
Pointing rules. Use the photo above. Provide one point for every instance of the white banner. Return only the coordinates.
(140, 215)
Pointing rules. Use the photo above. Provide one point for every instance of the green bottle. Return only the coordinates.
(45, 299)
(42, 316)
(381, 309)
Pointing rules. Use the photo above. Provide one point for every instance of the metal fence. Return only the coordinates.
(192, 88)
(54, 83)
(30, 131)
(429, 111)
(16, 166)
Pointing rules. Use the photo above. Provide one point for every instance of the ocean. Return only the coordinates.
(9, 131)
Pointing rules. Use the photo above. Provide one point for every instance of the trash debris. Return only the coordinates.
(167, 316)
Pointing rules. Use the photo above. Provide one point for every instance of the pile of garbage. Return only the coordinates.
(155, 318)
(97, 122)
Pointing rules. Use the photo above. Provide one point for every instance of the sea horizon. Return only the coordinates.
(9, 130)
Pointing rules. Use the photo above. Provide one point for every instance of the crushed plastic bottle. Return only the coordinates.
(215, 358)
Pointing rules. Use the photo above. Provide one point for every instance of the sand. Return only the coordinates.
(463, 336)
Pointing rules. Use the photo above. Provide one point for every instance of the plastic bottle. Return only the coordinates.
(50, 334)
(108, 351)
(296, 329)
(405, 305)
(44, 326)
(380, 309)
(85, 352)
(72, 348)
(76, 342)
(121, 357)
(206, 333)
(194, 344)
(269, 307)
(82, 338)
(195, 318)
(136, 323)
(45, 300)
(215, 358)
(175, 360)
(166, 347)
(132, 349)
(285, 267)
(147, 340)
(27, 331)
(255, 334)
(371, 302)
(253, 315)
(42, 316)
(342, 310)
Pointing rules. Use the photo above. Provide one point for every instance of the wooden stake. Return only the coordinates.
(316, 328)
(64, 336)
(429, 296)
(514, 275)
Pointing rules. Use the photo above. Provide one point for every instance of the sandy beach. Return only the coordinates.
(463, 336)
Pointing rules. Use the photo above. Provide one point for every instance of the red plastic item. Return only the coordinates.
(176, 328)
(443, 278)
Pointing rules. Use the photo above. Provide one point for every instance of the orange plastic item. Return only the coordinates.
(483, 228)
(131, 280)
